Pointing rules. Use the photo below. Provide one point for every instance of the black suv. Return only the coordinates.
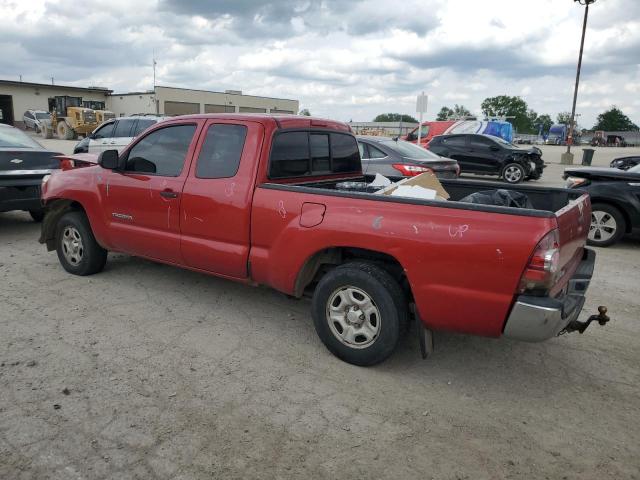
(489, 155)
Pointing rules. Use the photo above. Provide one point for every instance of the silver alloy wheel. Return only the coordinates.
(72, 247)
(353, 317)
(603, 226)
(512, 174)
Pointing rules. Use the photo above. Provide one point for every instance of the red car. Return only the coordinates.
(263, 200)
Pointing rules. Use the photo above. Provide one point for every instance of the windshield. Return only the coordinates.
(13, 138)
(635, 169)
(502, 141)
(43, 116)
(409, 150)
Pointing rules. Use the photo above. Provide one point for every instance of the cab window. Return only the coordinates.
(162, 152)
(221, 151)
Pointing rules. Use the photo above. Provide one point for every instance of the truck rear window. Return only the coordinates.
(304, 153)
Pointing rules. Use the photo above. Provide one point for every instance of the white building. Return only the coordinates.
(17, 97)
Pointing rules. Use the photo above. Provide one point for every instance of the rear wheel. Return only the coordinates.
(359, 312)
(78, 251)
(513, 173)
(65, 132)
(607, 225)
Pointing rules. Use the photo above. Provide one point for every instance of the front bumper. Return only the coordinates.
(535, 319)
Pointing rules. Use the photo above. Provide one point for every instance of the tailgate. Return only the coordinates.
(574, 221)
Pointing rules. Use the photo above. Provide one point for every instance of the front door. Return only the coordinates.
(99, 140)
(216, 201)
(143, 201)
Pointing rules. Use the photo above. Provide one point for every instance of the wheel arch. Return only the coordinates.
(320, 262)
(54, 210)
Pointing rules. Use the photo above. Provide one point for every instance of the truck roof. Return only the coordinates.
(281, 120)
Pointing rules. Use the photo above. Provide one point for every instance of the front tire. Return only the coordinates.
(513, 173)
(78, 251)
(359, 312)
(607, 225)
(65, 132)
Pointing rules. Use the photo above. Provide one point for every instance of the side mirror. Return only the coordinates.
(108, 159)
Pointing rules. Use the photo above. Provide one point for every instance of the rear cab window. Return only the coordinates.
(304, 153)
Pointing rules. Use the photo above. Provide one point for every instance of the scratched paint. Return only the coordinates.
(457, 230)
(377, 223)
(230, 189)
(281, 210)
(415, 229)
(169, 217)
(500, 255)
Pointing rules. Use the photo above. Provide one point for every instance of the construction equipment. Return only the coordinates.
(104, 115)
(69, 118)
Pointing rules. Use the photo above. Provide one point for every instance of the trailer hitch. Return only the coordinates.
(577, 326)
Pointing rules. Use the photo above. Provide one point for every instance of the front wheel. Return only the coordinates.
(359, 312)
(513, 173)
(607, 225)
(78, 251)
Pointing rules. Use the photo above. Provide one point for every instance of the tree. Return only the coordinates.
(506, 106)
(613, 120)
(305, 112)
(444, 114)
(455, 113)
(545, 121)
(395, 117)
(563, 118)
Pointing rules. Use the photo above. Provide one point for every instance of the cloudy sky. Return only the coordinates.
(342, 59)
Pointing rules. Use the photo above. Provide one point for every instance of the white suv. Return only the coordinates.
(117, 133)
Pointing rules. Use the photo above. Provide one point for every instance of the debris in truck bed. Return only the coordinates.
(500, 197)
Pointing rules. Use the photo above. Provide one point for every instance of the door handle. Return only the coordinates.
(169, 194)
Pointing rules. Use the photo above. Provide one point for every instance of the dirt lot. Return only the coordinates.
(146, 371)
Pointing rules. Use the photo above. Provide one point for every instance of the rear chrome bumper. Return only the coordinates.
(535, 319)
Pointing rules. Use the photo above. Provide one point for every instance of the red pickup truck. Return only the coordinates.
(269, 200)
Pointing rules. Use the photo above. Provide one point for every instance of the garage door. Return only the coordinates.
(252, 110)
(181, 108)
(210, 108)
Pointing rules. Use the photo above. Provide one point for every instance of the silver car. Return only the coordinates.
(33, 119)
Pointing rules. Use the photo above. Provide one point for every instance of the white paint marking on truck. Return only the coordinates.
(377, 223)
(169, 217)
(459, 230)
(281, 210)
(230, 189)
(415, 229)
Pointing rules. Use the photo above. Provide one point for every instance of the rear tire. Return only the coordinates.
(65, 132)
(513, 173)
(359, 312)
(608, 225)
(78, 251)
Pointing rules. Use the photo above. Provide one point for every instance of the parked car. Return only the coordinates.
(488, 155)
(116, 133)
(397, 158)
(23, 164)
(615, 197)
(625, 163)
(258, 199)
(33, 119)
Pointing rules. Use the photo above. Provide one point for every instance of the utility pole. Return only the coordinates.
(567, 157)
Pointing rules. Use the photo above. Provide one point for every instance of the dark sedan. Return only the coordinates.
(489, 155)
(397, 158)
(23, 164)
(615, 201)
(625, 163)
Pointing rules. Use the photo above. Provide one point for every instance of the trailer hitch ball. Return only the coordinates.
(602, 318)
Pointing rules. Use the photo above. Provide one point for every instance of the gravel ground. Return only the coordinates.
(147, 371)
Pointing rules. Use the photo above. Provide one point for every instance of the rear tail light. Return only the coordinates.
(543, 268)
(411, 170)
(66, 164)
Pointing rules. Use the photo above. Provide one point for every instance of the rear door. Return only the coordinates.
(142, 203)
(216, 201)
(122, 133)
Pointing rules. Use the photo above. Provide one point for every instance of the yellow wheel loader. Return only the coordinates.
(69, 118)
